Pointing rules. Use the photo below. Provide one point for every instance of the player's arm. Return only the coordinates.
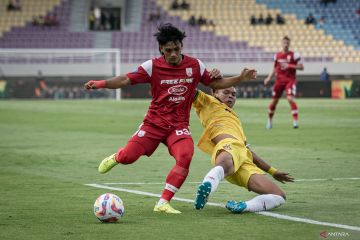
(221, 82)
(141, 75)
(272, 73)
(269, 77)
(298, 66)
(112, 83)
(278, 175)
(200, 100)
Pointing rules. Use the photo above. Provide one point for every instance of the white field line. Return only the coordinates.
(297, 180)
(270, 214)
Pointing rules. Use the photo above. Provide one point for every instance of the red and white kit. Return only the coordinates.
(167, 120)
(285, 76)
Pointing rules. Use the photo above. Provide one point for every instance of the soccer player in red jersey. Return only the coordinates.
(173, 78)
(285, 66)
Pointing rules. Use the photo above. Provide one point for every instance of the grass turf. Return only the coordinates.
(50, 149)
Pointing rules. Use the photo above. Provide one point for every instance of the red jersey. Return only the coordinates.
(172, 89)
(283, 74)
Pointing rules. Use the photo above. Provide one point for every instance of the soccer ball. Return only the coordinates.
(109, 208)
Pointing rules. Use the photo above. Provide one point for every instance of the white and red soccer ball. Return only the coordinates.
(109, 208)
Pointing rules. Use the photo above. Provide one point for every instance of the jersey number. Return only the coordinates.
(183, 132)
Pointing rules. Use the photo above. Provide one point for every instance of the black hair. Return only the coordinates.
(168, 33)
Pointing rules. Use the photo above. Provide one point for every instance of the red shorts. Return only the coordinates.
(289, 87)
(150, 136)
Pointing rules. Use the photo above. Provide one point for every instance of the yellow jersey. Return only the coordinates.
(216, 118)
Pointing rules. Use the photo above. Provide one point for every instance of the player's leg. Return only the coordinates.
(224, 167)
(271, 196)
(228, 156)
(128, 154)
(141, 143)
(276, 94)
(290, 94)
(182, 150)
(271, 112)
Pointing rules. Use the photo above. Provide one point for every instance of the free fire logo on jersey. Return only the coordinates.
(176, 81)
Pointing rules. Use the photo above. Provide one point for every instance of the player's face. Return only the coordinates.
(227, 96)
(172, 52)
(285, 45)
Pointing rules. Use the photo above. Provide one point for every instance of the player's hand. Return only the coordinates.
(90, 84)
(266, 81)
(215, 74)
(283, 177)
(248, 74)
(94, 84)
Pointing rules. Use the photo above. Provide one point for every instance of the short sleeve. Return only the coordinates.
(142, 74)
(201, 99)
(205, 78)
(297, 58)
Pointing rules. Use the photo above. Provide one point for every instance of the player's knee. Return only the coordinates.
(224, 159)
(180, 170)
(183, 159)
(127, 157)
(274, 101)
(186, 155)
(132, 152)
(290, 99)
(184, 162)
(228, 169)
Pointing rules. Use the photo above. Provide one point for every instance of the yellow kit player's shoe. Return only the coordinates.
(236, 207)
(107, 164)
(166, 208)
(202, 195)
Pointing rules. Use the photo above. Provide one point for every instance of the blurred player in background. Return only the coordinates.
(286, 63)
(173, 78)
(224, 139)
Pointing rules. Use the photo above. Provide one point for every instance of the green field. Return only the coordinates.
(49, 150)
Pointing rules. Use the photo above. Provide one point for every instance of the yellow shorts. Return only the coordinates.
(244, 166)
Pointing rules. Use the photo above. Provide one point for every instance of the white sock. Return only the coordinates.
(161, 201)
(264, 202)
(214, 176)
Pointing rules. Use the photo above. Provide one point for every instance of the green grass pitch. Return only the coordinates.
(49, 150)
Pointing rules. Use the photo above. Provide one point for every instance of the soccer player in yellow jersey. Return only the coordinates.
(224, 139)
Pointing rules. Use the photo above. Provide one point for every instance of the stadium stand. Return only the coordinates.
(18, 31)
(314, 44)
(340, 17)
(232, 38)
(138, 46)
(68, 55)
(29, 9)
